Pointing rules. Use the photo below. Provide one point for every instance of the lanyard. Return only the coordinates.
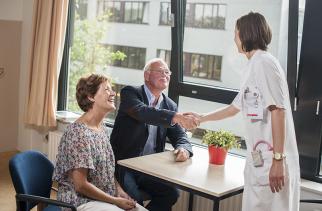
(269, 146)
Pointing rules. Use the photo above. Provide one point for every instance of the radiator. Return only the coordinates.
(53, 142)
(203, 204)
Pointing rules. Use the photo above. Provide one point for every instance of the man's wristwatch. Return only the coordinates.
(278, 156)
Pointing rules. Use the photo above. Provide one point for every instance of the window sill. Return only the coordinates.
(310, 186)
(66, 117)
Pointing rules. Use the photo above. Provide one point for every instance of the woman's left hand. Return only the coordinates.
(121, 193)
(276, 176)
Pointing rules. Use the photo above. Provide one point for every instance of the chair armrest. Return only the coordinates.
(32, 198)
(315, 201)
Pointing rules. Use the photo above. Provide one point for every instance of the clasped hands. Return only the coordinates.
(187, 120)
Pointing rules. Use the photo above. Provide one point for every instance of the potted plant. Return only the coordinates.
(219, 142)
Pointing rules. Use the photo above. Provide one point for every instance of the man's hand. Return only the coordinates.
(276, 176)
(181, 154)
(186, 121)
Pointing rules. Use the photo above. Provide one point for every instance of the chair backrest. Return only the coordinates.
(31, 173)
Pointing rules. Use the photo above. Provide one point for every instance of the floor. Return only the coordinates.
(7, 191)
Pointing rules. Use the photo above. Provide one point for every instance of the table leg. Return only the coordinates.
(216, 205)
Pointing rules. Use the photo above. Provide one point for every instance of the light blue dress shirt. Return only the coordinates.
(150, 144)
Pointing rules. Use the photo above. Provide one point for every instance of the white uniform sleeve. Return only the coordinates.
(237, 102)
(271, 84)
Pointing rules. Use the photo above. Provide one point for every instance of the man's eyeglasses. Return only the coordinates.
(164, 72)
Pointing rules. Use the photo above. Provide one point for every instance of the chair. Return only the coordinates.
(31, 173)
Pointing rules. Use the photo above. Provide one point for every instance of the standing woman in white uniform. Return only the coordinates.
(272, 174)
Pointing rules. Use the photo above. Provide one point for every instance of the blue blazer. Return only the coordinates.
(130, 131)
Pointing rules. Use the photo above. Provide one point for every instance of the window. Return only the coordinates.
(210, 64)
(124, 11)
(197, 66)
(133, 59)
(82, 9)
(104, 44)
(165, 14)
(207, 16)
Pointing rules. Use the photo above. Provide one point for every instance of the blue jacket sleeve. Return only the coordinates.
(132, 103)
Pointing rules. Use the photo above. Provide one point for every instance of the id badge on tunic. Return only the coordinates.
(253, 103)
(258, 160)
(255, 112)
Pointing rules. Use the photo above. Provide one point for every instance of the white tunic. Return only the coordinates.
(264, 84)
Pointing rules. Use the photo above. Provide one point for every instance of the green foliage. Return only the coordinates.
(221, 138)
(88, 53)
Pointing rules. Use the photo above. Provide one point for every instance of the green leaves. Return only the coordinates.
(88, 53)
(220, 138)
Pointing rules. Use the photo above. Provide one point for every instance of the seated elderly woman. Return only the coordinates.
(85, 161)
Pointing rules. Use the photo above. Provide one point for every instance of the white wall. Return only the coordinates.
(10, 36)
(11, 10)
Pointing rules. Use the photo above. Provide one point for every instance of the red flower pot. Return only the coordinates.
(217, 155)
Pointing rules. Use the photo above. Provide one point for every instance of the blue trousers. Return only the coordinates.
(163, 196)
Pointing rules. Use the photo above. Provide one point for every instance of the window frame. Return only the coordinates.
(178, 87)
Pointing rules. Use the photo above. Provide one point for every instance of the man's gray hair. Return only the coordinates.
(154, 60)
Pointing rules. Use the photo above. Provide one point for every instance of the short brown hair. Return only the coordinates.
(87, 87)
(254, 32)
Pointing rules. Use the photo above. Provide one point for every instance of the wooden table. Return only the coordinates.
(195, 175)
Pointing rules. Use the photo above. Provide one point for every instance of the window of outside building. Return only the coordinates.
(165, 13)
(197, 65)
(198, 15)
(124, 11)
(134, 56)
(82, 9)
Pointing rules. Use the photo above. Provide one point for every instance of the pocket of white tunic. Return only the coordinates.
(261, 174)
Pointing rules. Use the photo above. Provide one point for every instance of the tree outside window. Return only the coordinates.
(88, 55)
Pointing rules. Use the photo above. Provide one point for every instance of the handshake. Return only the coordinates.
(188, 120)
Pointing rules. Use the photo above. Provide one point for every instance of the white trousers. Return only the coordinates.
(102, 206)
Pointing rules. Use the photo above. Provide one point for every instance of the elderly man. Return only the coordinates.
(145, 118)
